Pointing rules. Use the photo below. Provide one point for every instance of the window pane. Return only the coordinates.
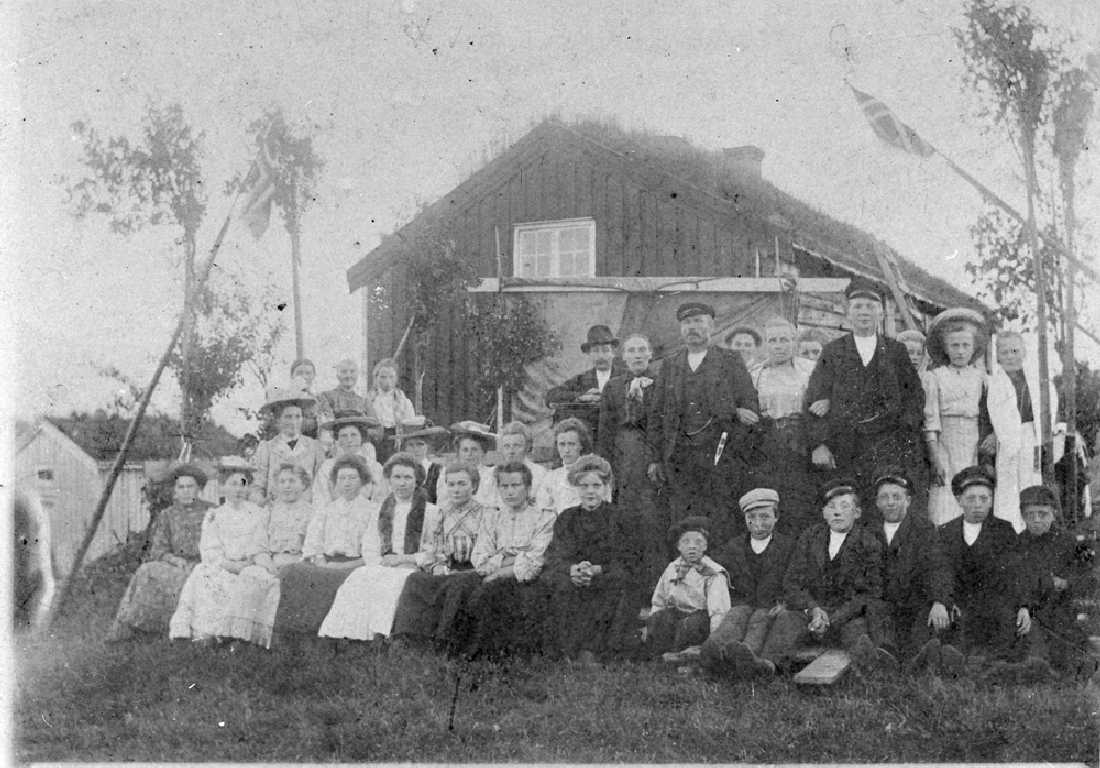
(555, 250)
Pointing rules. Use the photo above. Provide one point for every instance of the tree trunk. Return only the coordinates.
(187, 345)
(1028, 142)
(295, 227)
(1069, 363)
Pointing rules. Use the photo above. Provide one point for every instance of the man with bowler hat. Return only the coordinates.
(580, 395)
(703, 402)
(864, 403)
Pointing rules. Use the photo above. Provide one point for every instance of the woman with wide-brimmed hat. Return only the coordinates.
(953, 404)
(234, 592)
(287, 406)
(418, 436)
(352, 432)
(171, 552)
(473, 441)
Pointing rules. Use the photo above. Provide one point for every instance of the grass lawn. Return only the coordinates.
(149, 700)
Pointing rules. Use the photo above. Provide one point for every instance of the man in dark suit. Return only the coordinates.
(864, 403)
(703, 402)
(990, 604)
(917, 579)
(580, 395)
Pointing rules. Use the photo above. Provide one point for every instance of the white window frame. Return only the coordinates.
(554, 229)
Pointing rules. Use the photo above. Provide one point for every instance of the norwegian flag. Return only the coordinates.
(889, 128)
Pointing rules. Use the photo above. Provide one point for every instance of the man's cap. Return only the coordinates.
(862, 288)
(838, 487)
(1039, 496)
(972, 476)
(894, 476)
(692, 308)
(758, 497)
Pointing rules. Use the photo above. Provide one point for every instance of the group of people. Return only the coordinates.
(885, 496)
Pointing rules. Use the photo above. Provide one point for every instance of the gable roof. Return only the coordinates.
(703, 179)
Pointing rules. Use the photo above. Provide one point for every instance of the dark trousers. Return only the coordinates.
(863, 457)
(790, 631)
(779, 461)
(906, 630)
(987, 625)
(674, 630)
(697, 487)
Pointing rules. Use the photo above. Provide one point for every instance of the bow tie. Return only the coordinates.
(637, 384)
(683, 569)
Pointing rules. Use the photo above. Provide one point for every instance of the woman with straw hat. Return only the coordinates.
(417, 436)
(171, 552)
(473, 441)
(352, 432)
(954, 402)
(290, 446)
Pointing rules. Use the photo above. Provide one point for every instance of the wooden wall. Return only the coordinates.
(642, 229)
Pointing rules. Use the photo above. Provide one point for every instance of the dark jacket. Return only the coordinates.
(728, 388)
(916, 570)
(603, 536)
(1041, 558)
(570, 389)
(884, 397)
(843, 586)
(613, 412)
(756, 580)
(985, 571)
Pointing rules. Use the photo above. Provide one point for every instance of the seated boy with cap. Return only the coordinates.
(756, 562)
(917, 578)
(1055, 568)
(692, 596)
(989, 611)
(833, 585)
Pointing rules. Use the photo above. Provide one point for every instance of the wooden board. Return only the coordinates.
(826, 669)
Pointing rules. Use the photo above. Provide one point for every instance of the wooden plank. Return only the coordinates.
(660, 284)
(826, 669)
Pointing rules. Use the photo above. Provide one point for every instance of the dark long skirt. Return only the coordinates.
(636, 495)
(307, 594)
(780, 461)
(599, 618)
(433, 606)
(505, 616)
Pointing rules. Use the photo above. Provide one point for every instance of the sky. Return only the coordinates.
(405, 99)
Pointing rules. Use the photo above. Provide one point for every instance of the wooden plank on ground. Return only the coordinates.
(826, 669)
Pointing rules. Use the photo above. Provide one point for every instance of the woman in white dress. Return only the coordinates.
(289, 516)
(572, 440)
(953, 404)
(233, 592)
(366, 603)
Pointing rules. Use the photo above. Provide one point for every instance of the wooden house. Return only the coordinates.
(596, 224)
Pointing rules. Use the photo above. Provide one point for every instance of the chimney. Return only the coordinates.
(744, 161)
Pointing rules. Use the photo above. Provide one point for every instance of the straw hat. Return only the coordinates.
(475, 429)
(187, 470)
(354, 419)
(936, 347)
(230, 465)
(279, 397)
(418, 426)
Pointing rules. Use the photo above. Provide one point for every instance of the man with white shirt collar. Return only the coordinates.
(917, 583)
(990, 611)
(833, 585)
(703, 403)
(584, 389)
(864, 403)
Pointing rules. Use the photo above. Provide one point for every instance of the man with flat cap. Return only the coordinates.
(703, 403)
(580, 395)
(864, 403)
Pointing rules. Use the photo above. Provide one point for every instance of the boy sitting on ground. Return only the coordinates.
(833, 585)
(1054, 570)
(756, 563)
(692, 596)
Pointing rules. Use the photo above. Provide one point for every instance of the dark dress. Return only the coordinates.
(984, 587)
(916, 576)
(875, 411)
(599, 617)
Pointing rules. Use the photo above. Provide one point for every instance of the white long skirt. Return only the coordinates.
(959, 446)
(1016, 470)
(366, 603)
(217, 603)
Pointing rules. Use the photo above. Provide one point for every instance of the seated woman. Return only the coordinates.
(433, 595)
(172, 551)
(234, 591)
(330, 552)
(365, 604)
(590, 567)
(473, 441)
(556, 493)
(514, 445)
(418, 436)
(289, 516)
(352, 431)
(289, 446)
(506, 607)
